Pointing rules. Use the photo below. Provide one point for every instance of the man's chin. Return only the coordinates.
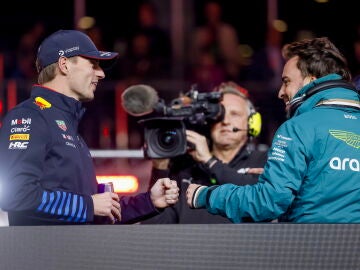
(86, 99)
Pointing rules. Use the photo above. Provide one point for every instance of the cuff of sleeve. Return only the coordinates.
(211, 162)
(89, 209)
(199, 199)
(150, 203)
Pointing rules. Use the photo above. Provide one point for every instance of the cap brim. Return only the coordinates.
(107, 59)
(100, 55)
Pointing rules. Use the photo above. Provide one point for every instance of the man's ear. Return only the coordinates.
(62, 64)
(309, 79)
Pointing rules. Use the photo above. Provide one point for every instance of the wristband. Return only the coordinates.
(211, 162)
(195, 196)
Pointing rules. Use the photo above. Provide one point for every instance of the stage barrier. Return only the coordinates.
(226, 246)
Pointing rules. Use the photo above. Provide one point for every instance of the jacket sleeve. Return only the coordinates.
(276, 189)
(223, 174)
(25, 141)
(136, 208)
(166, 216)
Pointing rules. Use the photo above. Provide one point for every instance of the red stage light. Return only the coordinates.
(122, 183)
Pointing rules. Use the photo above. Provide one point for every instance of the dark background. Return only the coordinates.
(337, 19)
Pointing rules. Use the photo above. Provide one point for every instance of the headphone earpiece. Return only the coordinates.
(254, 122)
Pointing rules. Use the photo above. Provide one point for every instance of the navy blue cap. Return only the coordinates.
(69, 43)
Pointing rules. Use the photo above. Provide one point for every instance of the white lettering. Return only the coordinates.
(76, 48)
(354, 165)
(284, 138)
(278, 154)
(277, 158)
(18, 145)
(349, 116)
(26, 128)
(70, 144)
(343, 164)
(281, 143)
(279, 150)
(21, 121)
(337, 164)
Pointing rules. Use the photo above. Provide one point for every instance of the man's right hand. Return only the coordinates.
(107, 204)
(201, 153)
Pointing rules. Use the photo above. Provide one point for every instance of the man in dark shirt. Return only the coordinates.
(230, 159)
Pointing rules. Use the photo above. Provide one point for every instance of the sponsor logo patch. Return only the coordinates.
(70, 144)
(42, 103)
(67, 137)
(61, 124)
(21, 121)
(18, 145)
(25, 128)
(19, 137)
(349, 138)
(339, 164)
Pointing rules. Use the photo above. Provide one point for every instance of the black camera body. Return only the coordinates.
(164, 134)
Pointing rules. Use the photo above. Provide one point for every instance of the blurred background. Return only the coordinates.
(171, 45)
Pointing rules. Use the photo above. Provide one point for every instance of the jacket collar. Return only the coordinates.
(316, 82)
(59, 100)
(332, 93)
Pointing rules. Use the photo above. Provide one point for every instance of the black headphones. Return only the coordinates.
(296, 102)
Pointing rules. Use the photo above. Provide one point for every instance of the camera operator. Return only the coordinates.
(229, 157)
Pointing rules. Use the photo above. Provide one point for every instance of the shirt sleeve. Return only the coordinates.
(222, 173)
(166, 216)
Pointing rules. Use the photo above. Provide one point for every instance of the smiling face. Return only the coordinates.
(292, 81)
(84, 75)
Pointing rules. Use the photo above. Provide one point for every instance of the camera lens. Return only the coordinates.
(164, 138)
(167, 138)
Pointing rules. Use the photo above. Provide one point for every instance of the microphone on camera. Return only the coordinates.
(139, 99)
(235, 129)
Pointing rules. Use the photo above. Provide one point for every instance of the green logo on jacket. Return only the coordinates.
(349, 138)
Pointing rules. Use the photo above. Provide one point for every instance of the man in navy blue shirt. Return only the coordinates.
(47, 175)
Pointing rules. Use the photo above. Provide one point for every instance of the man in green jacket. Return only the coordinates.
(313, 170)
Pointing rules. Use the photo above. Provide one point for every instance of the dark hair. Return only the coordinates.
(318, 57)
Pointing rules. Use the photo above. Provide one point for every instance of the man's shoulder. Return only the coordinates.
(25, 113)
(28, 107)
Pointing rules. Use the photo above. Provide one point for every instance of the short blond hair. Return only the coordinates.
(48, 73)
(231, 87)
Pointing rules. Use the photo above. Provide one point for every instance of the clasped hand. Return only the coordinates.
(164, 193)
(107, 204)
